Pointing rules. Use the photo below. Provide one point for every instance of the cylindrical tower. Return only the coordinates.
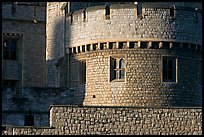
(136, 55)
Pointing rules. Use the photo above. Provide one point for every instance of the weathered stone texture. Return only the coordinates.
(124, 24)
(16, 103)
(87, 120)
(143, 85)
(31, 50)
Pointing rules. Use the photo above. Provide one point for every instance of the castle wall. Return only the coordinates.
(124, 24)
(89, 120)
(143, 84)
(16, 103)
(31, 46)
(55, 41)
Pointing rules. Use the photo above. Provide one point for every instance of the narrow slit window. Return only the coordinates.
(169, 69)
(107, 12)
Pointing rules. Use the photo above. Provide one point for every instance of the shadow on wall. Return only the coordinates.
(61, 71)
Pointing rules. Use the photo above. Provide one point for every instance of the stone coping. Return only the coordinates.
(139, 107)
(144, 5)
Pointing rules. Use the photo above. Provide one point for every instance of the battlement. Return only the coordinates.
(132, 22)
(75, 14)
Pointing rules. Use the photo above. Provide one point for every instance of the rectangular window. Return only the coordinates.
(117, 69)
(107, 12)
(82, 72)
(9, 49)
(169, 69)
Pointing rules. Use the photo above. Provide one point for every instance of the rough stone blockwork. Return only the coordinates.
(88, 120)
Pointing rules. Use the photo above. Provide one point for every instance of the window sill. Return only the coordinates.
(118, 80)
(169, 82)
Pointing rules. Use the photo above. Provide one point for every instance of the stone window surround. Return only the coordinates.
(118, 57)
(176, 69)
(82, 77)
(14, 36)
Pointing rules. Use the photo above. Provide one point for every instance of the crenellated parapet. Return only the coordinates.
(133, 22)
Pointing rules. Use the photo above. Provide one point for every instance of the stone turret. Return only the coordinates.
(144, 54)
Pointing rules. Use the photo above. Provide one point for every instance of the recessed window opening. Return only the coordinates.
(169, 69)
(107, 8)
(10, 49)
(107, 12)
(117, 67)
(84, 15)
(172, 12)
(71, 18)
(13, 8)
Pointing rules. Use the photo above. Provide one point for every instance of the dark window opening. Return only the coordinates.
(71, 18)
(10, 49)
(29, 119)
(10, 83)
(84, 15)
(107, 12)
(169, 69)
(172, 14)
(139, 10)
(13, 8)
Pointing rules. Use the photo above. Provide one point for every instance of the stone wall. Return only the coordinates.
(125, 24)
(28, 23)
(143, 84)
(54, 41)
(89, 120)
(16, 103)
